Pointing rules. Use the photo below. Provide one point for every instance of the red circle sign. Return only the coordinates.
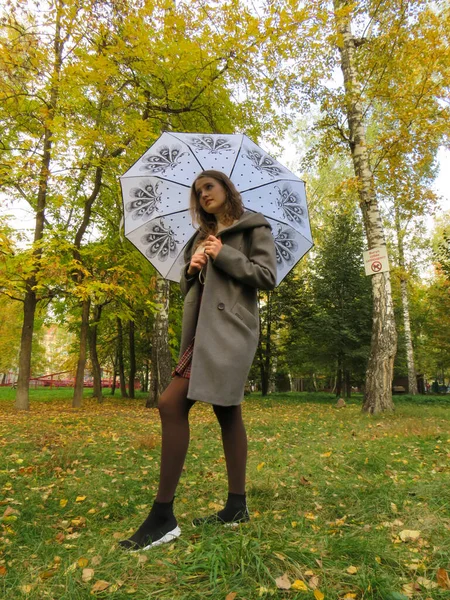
(376, 266)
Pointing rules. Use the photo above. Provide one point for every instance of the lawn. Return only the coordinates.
(343, 505)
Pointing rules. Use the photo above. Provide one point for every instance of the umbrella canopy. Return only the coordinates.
(156, 193)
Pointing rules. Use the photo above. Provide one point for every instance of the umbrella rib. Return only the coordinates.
(155, 177)
(237, 156)
(191, 151)
(269, 183)
(284, 223)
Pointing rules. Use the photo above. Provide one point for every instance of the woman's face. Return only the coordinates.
(211, 194)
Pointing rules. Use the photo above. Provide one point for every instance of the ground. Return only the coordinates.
(342, 505)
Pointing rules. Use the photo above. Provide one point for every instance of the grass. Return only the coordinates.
(330, 492)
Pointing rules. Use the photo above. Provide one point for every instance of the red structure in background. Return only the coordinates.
(52, 380)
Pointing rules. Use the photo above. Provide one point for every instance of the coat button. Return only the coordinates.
(221, 306)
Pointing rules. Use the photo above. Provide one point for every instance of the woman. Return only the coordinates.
(231, 256)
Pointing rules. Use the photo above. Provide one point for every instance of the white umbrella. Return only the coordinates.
(156, 193)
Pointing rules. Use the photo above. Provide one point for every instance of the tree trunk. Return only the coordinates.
(161, 358)
(412, 379)
(339, 378)
(84, 332)
(30, 301)
(123, 387)
(26, 342)
(113, 384)
(265, 355)
(348, 383)
(146, 376)
(380, 367)
(132, 371)
(96, 370)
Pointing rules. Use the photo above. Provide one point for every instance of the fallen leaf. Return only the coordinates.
(280, 556)
(408, 535)
(427, 583)
(443, 579)
(325, 455)
(71, 568)
(100, 586)
(349, 596)
(313, 582)
(2, 570)
(47, 574)
(231, 596)
(260, 466)
(87, 575)
(352, 570)
(318, 595)
(96, 560)
(283, 582)
(10, 511)
(409, 589)
(310, 516)
(26, 589)
(82, 562)
(215, 506)
(80, 499)
(63, 502)
(299, 585)
(142, 558)
(304, 481)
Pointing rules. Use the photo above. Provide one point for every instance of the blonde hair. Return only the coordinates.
(206, 222)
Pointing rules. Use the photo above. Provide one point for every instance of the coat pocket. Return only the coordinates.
(245, 316)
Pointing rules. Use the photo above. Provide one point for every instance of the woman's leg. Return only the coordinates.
(174, 408)
(234, 439)
(161, 525)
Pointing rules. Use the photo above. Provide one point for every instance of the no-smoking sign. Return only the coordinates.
(376, 260)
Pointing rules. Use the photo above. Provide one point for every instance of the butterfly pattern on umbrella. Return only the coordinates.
(263, 163)
(289, 202)
(166, 158)
(146, 198)
(161, 241)
(214, 146)
(285, 246)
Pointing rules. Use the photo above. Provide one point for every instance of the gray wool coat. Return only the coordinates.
(226, 328)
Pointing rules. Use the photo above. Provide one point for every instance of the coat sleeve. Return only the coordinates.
(186, 280)
(259, 270)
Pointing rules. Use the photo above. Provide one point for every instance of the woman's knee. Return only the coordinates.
(227, 414)
(173, 402)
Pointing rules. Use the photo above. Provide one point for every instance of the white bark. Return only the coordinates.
(412, 379)
(161, 358)
(378, 387)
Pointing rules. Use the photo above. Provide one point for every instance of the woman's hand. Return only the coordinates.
(197, 262)
(213, 246)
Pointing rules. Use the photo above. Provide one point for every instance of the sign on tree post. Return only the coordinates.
(376, 260)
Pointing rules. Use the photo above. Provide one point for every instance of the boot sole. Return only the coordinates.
(166, 538)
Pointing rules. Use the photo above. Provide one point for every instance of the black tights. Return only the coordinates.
(174, 407)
